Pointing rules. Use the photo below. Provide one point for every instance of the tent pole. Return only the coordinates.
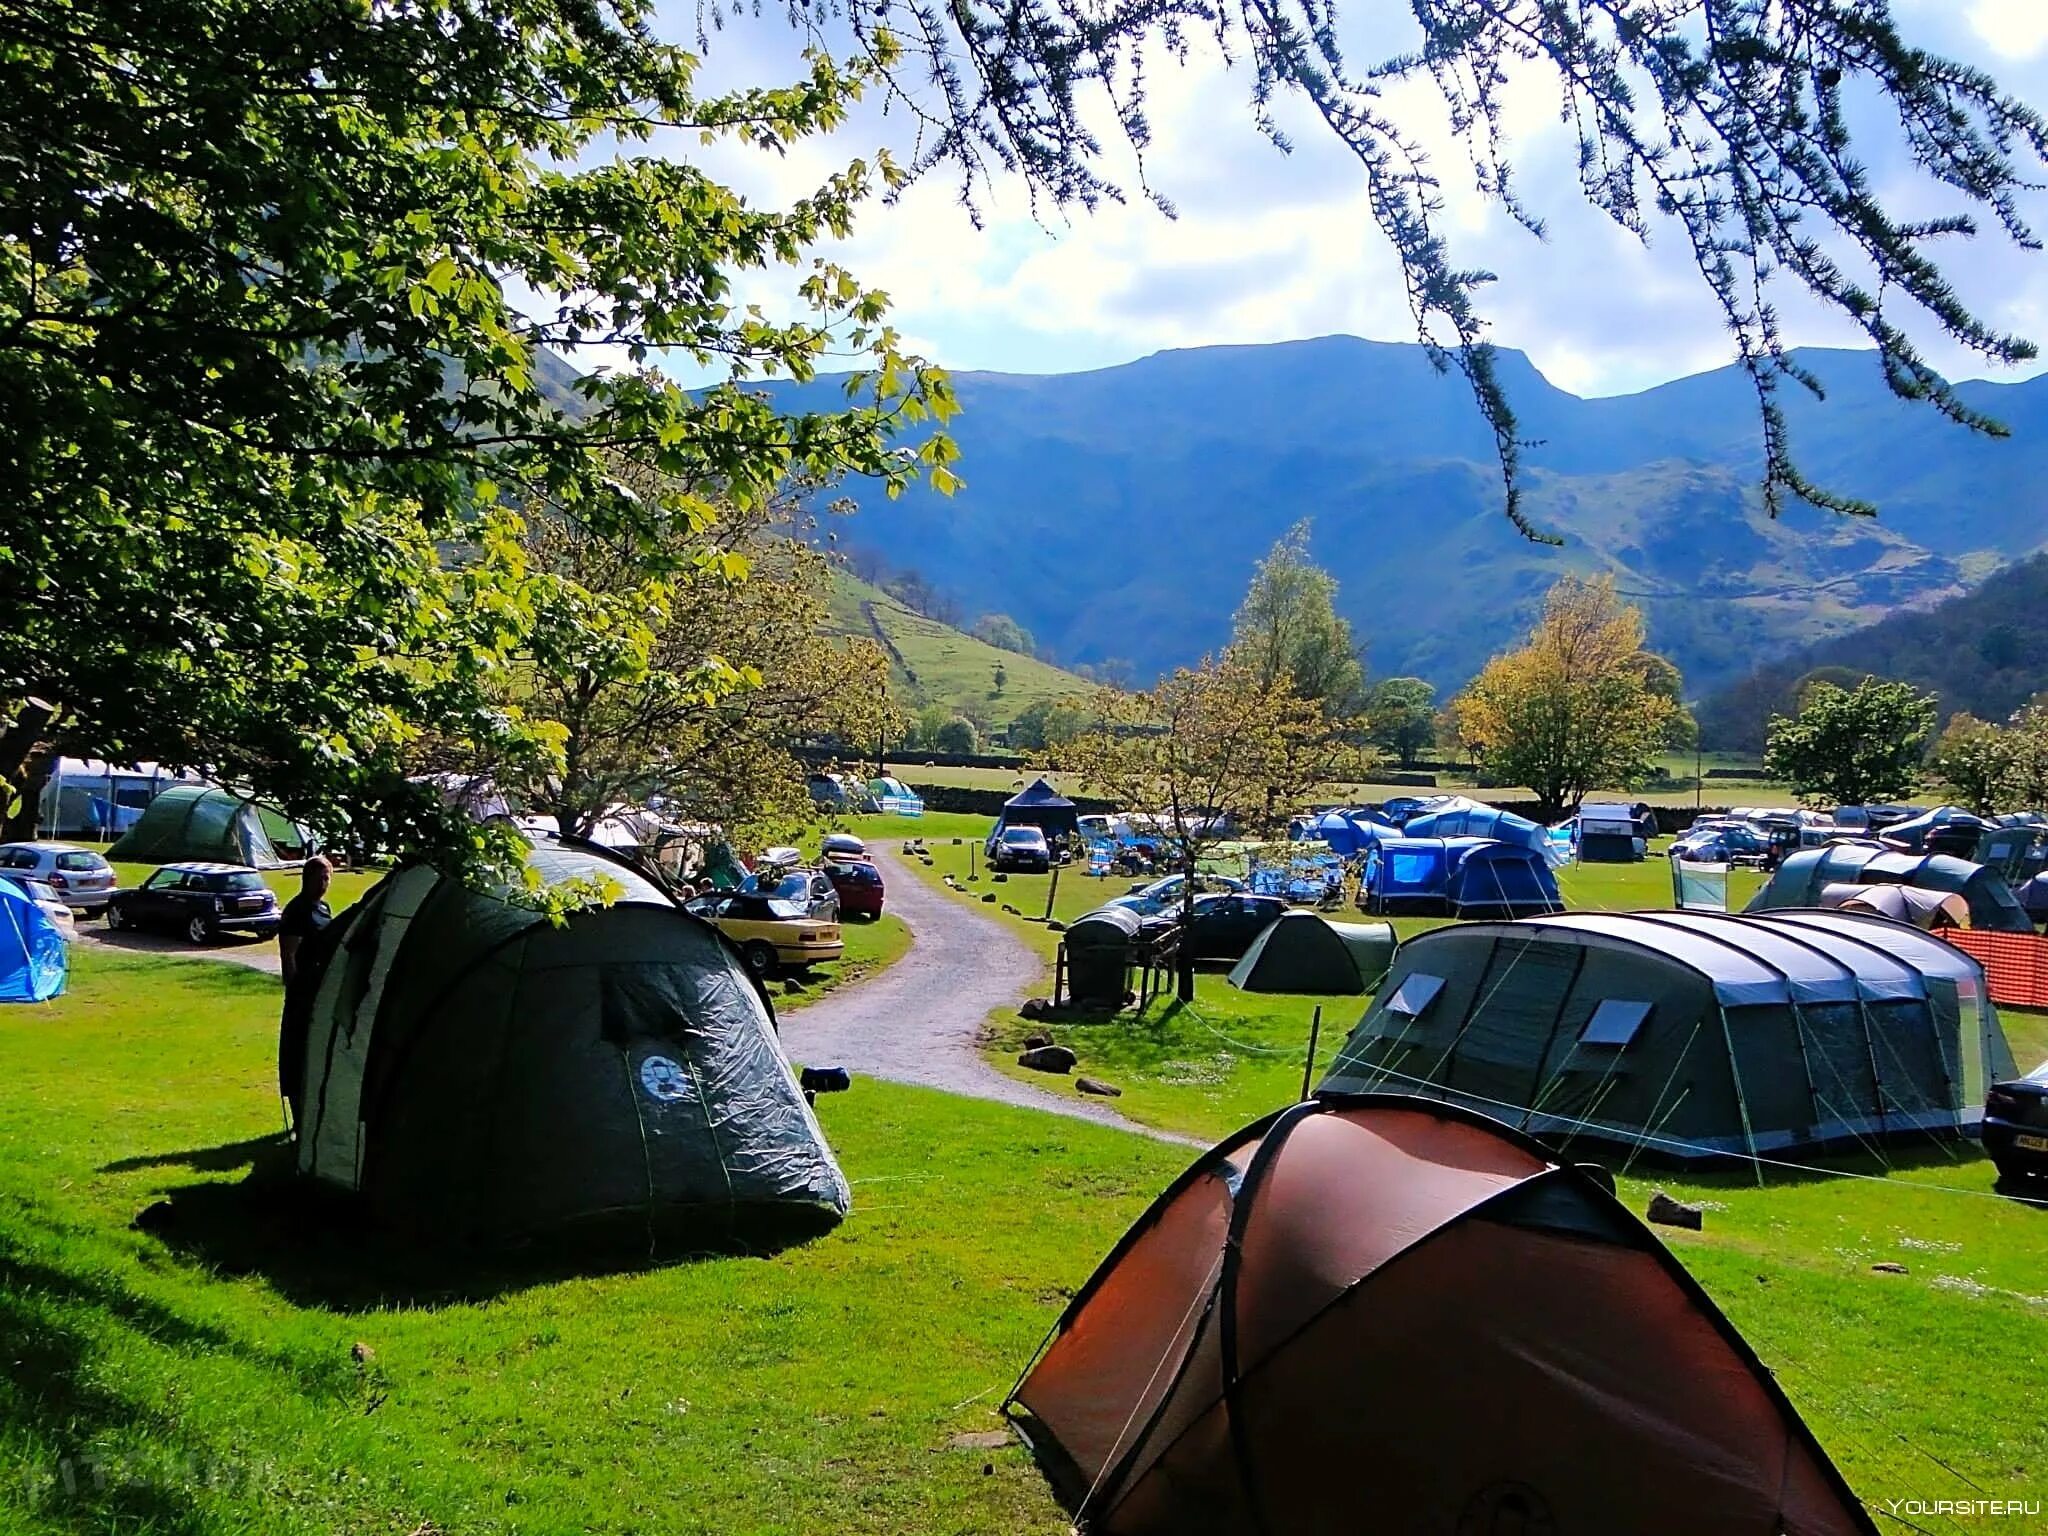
(1308, 1067)
(1052, 891)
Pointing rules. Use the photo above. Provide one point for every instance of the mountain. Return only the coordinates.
(934, 663)
(1985, 653)
(1117, 513)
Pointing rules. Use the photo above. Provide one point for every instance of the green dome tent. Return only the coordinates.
(475, 1072)
(1688, 1035)
(200, 822)
(1804, 877)
(1302, 953)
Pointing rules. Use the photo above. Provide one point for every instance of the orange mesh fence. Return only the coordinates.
(2015, 964)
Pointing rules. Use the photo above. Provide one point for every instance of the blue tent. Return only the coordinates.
(33, 962)
(1458, 877)
(1472, 820)
(1350, 831)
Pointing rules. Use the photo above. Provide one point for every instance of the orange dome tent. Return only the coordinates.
(1382, 1314)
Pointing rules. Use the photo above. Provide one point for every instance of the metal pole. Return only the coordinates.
(1051, 891)
(1699, 778)
(1308, 1067)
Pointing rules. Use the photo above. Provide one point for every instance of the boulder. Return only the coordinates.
(999, 877)
(1889, 1267)
(1667, 1212)
(1011, 910)
(1054, 925)
(989, 897)
(1100, 1089)
(1048, 1058)
(1038, 1037)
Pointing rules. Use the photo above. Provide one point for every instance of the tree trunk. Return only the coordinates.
(1184, 955)
(26, 758)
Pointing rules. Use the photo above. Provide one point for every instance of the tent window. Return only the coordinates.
(1415, 994)
(1614, 1022)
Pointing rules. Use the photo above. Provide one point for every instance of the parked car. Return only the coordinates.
(1224, 924)
(1153, 897)
(81, 877)
(771, 933)
(1728, 842)
(859, 885)
(843, 845)
(44, 896)
(201, 901)
(808, 888)
(1019, 848)
(2015, 1126)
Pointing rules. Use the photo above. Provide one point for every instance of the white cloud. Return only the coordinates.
(1270, 247)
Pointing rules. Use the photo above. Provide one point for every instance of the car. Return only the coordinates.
(772, 934)
(1729, 842)
(201, 901)
(1019, 848)
(81, 877)
(2015, 1127)
(859, 885)
(1153, 897)
(808, 888)
(843, 845)
(1224, 924)
(46, 897)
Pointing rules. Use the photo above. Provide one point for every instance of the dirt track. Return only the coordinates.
(917, 1022)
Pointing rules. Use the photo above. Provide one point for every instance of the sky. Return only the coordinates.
(1271, 247)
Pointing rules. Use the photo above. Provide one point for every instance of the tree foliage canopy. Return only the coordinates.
(1403, 715)
(278, 283)
(1729, 121)
(1578, 707)
(1991, 767)
(1288, 627)
(1852, 747)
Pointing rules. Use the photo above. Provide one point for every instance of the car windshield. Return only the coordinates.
(1021, 835)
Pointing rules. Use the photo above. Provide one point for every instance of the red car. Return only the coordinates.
(859, 885)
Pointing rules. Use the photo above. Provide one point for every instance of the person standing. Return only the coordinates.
(305, 914)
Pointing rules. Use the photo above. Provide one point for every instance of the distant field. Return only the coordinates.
(936, 664)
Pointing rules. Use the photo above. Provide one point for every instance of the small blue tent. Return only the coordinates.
(33, 962)
(1458, 877)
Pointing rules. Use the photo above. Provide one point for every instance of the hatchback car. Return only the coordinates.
(1224, 924)
(772, 934)
(53, 905)
(1019, 848)
(81, 877)
(1164, 894)
(859, 885)
(201, 901)
(807, 888)
(2016, 1126)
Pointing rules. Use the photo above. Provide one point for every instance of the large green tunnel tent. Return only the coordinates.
(1687, 1035)
(200, 822)
(475, 1072)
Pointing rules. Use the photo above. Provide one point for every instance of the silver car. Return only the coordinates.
(79, 876)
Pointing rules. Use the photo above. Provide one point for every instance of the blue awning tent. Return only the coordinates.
(1458, 877)
(1945, 829)
(33, 959)
(1803, 877)
(1350, 831)
(1475, 820)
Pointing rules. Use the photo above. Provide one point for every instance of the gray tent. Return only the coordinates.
(1301, 952)
(1690, 1035)
(1902, 903)
(199, 822)
(1804, 876)
(475, 1072)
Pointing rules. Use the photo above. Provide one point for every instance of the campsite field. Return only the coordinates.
(241, 1363)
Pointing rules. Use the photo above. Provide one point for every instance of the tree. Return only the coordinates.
(1004, 633)
(1048, 723)
(1573, 709)
(1726, 119)
(957, 735)
(1975, 760)
(281, 293)
(1207, 752)
(687, 686)
(1662, 677)
(1403, 715)
(924, 730)
(1287, 626)
(1852, 747)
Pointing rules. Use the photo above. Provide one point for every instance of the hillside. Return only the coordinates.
(1124, 507)
(936, 664)
(1985, 653)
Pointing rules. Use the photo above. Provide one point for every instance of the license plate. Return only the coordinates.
(2031, 1143)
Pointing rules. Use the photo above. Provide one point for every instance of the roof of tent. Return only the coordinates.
(1804, 875)
(1301, 952)
(1038, 793)
(1903, 903)
(200, 821)
(1913, 834)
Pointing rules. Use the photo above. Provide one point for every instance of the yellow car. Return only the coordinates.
(772, 934)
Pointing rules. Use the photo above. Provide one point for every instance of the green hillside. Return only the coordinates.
(937, 664)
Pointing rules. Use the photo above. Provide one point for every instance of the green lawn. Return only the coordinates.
(242, 1365)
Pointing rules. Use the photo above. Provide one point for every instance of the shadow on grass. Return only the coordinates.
(222, 1159)
(319, 1247)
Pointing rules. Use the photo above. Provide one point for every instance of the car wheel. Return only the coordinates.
(760, 957)
(198, 931)
(115, 920)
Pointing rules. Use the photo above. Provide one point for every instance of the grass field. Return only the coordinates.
(241, 1364)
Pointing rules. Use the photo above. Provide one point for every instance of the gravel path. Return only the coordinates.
(918, 1021)
(256, 954)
